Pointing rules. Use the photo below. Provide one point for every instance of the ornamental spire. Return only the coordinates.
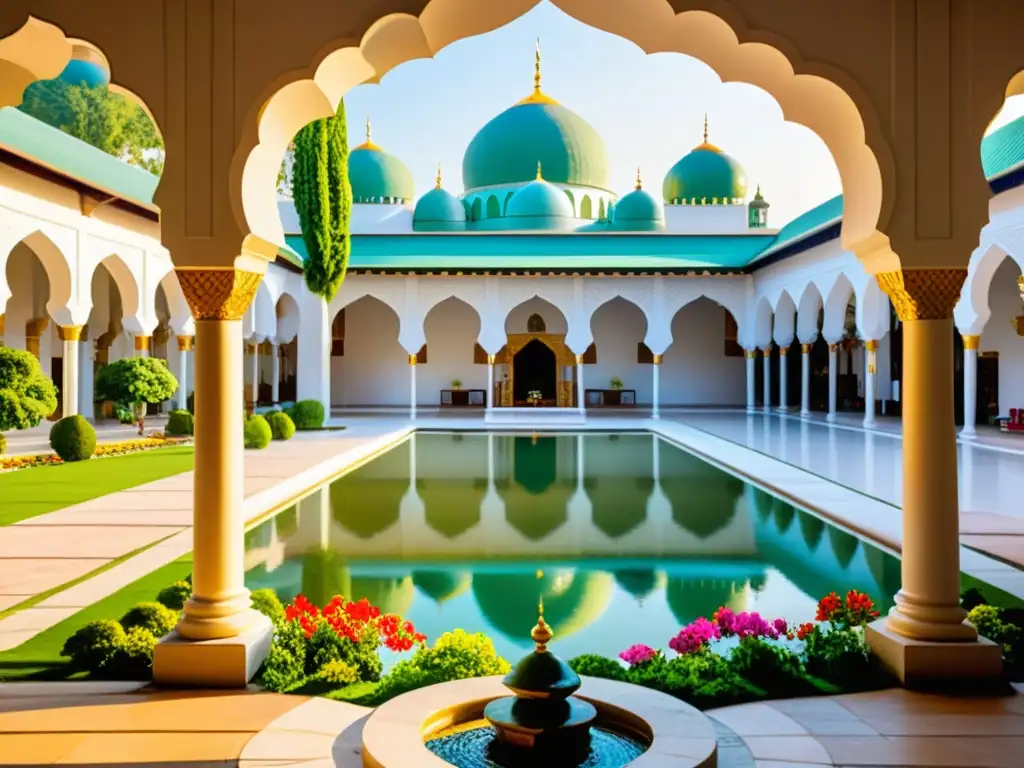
(369, 131)
(639, 184)
(541, 634)
(437, 179)
(536, 68)
(540, 175)
(705, 127)
(538, 96)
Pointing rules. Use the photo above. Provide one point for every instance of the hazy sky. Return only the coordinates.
(649, 110)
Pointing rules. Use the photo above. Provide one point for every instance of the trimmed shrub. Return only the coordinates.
(281, 425)
(266, 602)
(27, 396)
(257, 433)
(307, 414)
(174, 596)
(73, 438)
(133, 659)
(3, 444)
(180, 423)
(93, 646)
(157, 618)
(593, 665)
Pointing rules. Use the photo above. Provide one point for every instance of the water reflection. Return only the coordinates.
(632, 536)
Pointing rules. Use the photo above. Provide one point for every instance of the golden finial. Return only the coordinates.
(705, 127)
(540, 175)
(639, 184)
(369, 131)
(437, 179)
(536, 68)
(541, 633)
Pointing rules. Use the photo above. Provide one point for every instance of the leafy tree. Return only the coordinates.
(284, 173)
(27, 396)
(97, 116)
(136, 381)
(323, 200)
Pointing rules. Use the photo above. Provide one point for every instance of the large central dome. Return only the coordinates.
(536, 130)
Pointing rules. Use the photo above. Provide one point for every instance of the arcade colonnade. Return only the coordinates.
(228, 100)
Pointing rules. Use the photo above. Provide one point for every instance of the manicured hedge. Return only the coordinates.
(73, 438)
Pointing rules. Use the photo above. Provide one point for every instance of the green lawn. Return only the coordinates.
(40, 659)
(36, 491)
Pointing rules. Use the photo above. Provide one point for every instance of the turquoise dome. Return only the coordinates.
(705, 174)
(439, 211)
(638, 211)
(539, 200)
(375, 175)
(536, 130)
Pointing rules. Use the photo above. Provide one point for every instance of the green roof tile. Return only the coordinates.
(54, 149)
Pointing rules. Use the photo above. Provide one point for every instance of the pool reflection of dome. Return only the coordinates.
(324, 575)
(811, 528)
(690, 599)
(783, 514)
(640, 582)
(703, 497)
(392, 594)
(452, 507)
(762, 504)
(369, 500)
(572, 600)
(537, 499)
(618, 504)
(844, 545)
(441, 586)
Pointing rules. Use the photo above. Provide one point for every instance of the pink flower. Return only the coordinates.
(695, 636)
(780, 626)
(637, 654)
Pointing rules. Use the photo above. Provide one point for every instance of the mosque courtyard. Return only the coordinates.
(380, 387)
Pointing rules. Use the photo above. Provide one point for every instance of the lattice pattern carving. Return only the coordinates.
(923, 294)
(218, 294)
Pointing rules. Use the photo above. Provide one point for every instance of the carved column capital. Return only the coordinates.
(186, 343)
(657, 359)
(971, 342)
(871, 345)
(412, 359)
(750, 354)
(69, 332)
(142, 343)
(218, 294)
(923, 294)
(805, 349)
(766, 351)
(783, 351)
(490, 359)
(833, 347)
(579, 359)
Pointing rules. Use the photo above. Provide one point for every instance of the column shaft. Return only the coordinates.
(490, 382)
(275, 373)
(833, 380)
(219, 606)
(656, 388)
(750, 356)
(255, 392)
(579, 385)
(70, 336)
(783, 379)
(185, 344)
(970, 385)
(870, 365)
(805, 379)
(412, 386)
(87, 377)
(766, 366)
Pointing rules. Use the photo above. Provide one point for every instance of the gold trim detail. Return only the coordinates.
(656, 359)
(923, 294)
(1020, 285)
(69, 332)
(142, 343)
(805, 349)
(766, 351)
(2, 318)
(871, 345)
(250, 349)
(218, 294)
(833, 347)
(412, 359)
(538, 96)
(490, 359)
(971, 342)
(783, 351)
(750, 354)
(186, 343)
(579, 359)
(35, 328)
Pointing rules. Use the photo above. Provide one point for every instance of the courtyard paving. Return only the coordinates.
(88, 724)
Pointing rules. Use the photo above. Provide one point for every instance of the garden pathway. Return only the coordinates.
(92, 724)
(43, 553)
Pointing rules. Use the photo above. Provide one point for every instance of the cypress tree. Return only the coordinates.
(323, 201)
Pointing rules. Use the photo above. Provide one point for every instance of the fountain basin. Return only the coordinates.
(675, 733)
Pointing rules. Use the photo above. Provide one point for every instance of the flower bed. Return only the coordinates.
(103, 450)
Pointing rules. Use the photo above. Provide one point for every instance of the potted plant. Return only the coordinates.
(135, 382)
(456, 383)
(616, 383)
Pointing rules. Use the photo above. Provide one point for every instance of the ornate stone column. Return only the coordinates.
(142, 345)
(766, 369)
(783, 379)
(580, 400)
(412, 386)
(833, 380)
(220, 640)
(870, 365)
(805, 379)
(490, 382)
(970, 385)
(275, 372)
(185, 345)
(656, 388)
(70, 335)
(927, 610)
(750, 357)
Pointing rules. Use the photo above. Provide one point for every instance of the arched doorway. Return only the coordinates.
(535, 369)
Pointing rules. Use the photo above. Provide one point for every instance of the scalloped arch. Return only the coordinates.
(818, 97)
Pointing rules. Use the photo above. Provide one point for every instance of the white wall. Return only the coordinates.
(1000, 336)
(452, 328)
(695, 370)
(618, 327)
(710, 219)
(554, 319)
(375, 368)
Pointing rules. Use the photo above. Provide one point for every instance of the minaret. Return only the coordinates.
(538, 96)
(758, 211)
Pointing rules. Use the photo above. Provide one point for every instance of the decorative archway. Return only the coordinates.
(535, 370)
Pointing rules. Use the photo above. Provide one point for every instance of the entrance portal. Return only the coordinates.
(534, 369)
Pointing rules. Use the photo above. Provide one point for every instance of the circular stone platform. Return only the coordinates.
(394, 734)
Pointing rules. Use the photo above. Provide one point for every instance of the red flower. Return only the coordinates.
(828, 606)
(804, 630)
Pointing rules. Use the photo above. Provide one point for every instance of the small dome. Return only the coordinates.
(705, 175)
(539, 200)
(506, 149)
(638, 210)
(376, 176)
(439, 210)
(86, 67)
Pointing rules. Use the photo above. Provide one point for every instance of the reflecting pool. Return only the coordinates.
(626, 537)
